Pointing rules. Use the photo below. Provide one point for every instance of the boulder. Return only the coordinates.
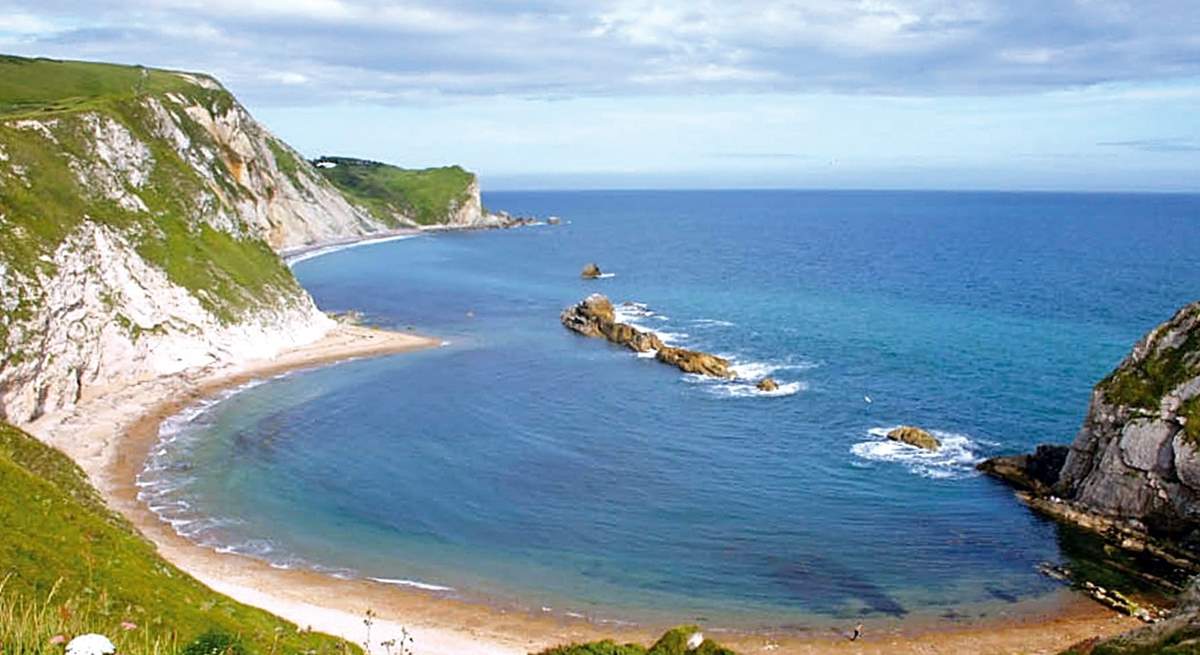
(1037, 472)
(767, 384)
(914, 437)
(590, 272)
(694, 361)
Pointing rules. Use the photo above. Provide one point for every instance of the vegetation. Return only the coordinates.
(49, 186)
(1163, 369)
(426, 196)
(69, 565)
(674, 642)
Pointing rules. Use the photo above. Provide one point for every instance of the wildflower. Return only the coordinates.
(695, 640)
(128, 625)
(58, 639)
(91, 644)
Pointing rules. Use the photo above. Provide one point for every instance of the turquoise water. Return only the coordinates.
(521, 464)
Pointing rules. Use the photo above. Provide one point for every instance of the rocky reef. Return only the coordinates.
(1132, 473)
(915, 437)
(590, 271)
(594, 317)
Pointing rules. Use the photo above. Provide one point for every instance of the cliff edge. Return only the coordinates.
(1133, 470)
(139, 214)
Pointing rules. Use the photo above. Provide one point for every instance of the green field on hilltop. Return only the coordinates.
(45, 86)
(425, 195)
(70, 565)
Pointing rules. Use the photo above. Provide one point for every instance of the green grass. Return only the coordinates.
(1144, 384)
(40, 87)
(674, 642)
(426, 195)
(43, 200)
(70, 565)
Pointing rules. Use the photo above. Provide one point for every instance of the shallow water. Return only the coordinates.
(524, 464)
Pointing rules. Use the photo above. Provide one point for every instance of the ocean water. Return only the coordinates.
(523, 465)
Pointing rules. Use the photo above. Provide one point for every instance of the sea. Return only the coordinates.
(524, 466)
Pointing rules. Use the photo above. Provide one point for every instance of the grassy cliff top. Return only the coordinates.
(425, 195)
(43, 86)
(69, 564)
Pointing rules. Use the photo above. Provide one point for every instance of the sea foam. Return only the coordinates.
(956, 459)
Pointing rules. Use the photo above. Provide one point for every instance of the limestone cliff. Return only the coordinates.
(138, 213)
(1134, 467)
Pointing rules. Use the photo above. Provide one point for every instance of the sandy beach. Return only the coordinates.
(110, 432)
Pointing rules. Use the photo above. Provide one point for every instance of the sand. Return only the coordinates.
(110, 432)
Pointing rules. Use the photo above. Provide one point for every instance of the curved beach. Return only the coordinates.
(123, 425)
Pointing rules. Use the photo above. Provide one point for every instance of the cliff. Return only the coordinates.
(139, 210)
(402, 197)
(1133, 470)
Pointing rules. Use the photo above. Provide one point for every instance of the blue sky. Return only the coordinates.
(996, 94)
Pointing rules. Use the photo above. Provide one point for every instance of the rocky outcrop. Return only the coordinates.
(590, 272)
(139, 231)
(1179, 633)
(915, 437)
(594, 317)
(694, 361)
(1133, 470)
(767, 384)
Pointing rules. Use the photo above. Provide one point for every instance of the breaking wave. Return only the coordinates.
(956, 459)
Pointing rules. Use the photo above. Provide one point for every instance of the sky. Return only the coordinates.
(1080, 95)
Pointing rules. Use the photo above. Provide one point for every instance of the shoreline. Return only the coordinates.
(110, 434)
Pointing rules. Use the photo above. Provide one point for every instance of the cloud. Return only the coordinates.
(1156, 145)
(354, 50)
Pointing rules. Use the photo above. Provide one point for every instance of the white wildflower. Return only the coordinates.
(91, 644)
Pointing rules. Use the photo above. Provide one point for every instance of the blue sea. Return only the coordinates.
(525, 466)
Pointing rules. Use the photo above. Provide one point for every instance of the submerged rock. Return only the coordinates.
(914, 437)
(553, 220)
(590, 272)
(767, 384)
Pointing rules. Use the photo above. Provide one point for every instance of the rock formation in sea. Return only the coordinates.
(767, 384)
(915, 437)
(1133, 470)
(594, 317)
(590, 271)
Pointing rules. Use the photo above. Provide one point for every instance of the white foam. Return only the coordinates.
(955, 459)
(413, 583)
(741, 390)
(605, 276)
(313, 254)
(712, 322)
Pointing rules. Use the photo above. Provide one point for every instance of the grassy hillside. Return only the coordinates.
(68, 565)
(424, 195)
(45, 192)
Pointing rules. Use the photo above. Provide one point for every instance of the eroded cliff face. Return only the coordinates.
(1133, 470)
(136, 239)
(1137, 455)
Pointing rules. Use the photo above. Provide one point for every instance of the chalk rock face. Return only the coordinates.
(914, 437)
(137, 240)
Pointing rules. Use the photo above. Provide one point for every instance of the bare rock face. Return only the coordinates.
(590, 272)
(594, 317)
(1135, 462)
(767, 384)
(914, 436)
(694, 361)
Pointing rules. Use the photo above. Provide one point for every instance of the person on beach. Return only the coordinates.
(857, 632)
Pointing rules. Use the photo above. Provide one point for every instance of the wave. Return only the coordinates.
(605, 276)
(412, 583)
(956, 459)
(712, 322)
(743, 390)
